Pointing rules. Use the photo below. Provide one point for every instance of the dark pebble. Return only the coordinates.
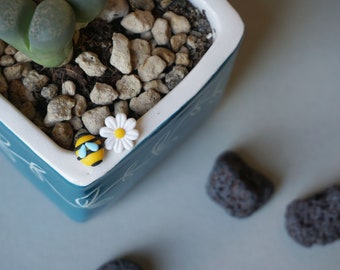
(238, 188)
(316, 219)
(120, 264)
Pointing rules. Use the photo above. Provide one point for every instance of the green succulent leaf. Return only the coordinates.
(51, 31)
(15, 18)
(87, 10)
(44, 32)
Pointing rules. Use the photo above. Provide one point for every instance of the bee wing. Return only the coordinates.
(82, 151)
(92, 146)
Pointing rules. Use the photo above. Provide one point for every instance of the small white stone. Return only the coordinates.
(140, 50)
(209, 36)
(191, 41)
(35, 81)
(10, 50)
(103, 94)
(156, 85)
(121, 106)
(13, 72)
(179, 24)
(175, 76)
(76, 122)
(161, 31)
(144, 102)
(184, 49)
(7, 60)
(146, 35)
(151, 68)
(94, 119)
(59, 109)
(182, 59)
(138, 21)
(114, 9)
(90, 64)
(164, 53)
(128, 86)
(80, 105)
(68, 88)
(120, 57)
(177, 41)
(22, 58)
(50, 91)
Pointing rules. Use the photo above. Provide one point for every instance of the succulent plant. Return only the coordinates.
(44, 32)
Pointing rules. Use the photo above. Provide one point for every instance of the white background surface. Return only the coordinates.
(280, 111)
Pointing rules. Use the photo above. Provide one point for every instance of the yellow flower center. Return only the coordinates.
(119, 133)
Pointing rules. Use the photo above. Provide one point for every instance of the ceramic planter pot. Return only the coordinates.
(80, 191)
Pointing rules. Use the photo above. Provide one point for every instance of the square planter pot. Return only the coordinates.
(81, 191)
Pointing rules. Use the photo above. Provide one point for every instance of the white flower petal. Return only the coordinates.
(114, 123)
(118, 146)
(111, 122)
(105, 132)
(121, 119)
(110, 142)
(127, 143)
(132, 134)
(129, 124)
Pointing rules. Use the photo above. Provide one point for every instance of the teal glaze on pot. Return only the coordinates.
(82, 199)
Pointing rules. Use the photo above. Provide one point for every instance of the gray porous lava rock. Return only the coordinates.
(120, 264)
(315, 219)
(238, 188)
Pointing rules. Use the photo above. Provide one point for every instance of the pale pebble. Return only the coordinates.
(128, 86)
(178, 23)
(103, 94)
(151, 68)
(91, 64)
(138, 21)
(144, 102)
(59, 109)
(120, 55)
(94, 119)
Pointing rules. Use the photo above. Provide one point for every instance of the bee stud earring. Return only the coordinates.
(89, 150)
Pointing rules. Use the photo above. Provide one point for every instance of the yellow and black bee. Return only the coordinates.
(89, 150)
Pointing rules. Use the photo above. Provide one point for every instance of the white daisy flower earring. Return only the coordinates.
(119, 132)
